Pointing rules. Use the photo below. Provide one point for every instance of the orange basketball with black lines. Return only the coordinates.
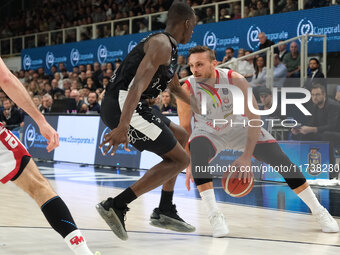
(235, 187)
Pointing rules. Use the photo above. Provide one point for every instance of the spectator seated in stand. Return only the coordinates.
(246, 66)
(325, 123)
(290, 6)
(314, 74)
(10, 116)
(292, 61)
(168, 102)
(265, 42)
(259, 77)
(229, 57)
(93, 102)
(280, 72)
(47, 102)
(282, 50)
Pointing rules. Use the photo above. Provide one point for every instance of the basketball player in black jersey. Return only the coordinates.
(148, 70)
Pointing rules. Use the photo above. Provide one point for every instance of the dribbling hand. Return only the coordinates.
(243, 166)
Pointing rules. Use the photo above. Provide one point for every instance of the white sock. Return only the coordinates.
(208, 196)
(76, 242)
(310, 200)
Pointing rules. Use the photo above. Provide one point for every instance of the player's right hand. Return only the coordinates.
(189, 177)
(50, 134)
(114, 138)
(243, 166)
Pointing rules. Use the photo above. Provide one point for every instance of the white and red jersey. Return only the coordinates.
(219, 106)
(219, 103)
(11, 153)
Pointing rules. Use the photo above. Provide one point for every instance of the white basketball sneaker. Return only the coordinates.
(327, 222)
(218, 224)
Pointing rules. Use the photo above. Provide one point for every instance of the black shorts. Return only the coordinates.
(149, 129)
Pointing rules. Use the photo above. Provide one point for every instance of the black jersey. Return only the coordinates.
(126, 72)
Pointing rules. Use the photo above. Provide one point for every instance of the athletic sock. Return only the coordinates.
(310, 200)
(166, 200)
(58, 215)
(124, 198)
(60, 219)
(208, 196)
(76, 242)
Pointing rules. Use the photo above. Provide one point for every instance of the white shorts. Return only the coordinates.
(235, 139)
(11, 153)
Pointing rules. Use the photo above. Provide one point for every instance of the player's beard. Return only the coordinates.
(207, 78)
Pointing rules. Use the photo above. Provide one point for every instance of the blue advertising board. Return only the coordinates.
(80, 53)
(237, 34)
(311, 157)
(32, 139)
(77, 138)
(122, 158)
(80, 137)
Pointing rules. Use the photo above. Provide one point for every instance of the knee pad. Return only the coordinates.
(294, 178)
(201, 151)
(272, 154)
(201, 181)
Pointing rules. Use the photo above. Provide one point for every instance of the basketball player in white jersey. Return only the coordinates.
(208, 139)
(16, 165)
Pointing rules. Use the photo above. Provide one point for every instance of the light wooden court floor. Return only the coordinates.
(253, 230)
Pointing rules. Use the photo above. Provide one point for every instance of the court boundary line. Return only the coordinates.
(188, 234)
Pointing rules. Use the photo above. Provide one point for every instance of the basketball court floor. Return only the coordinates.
(269, 220)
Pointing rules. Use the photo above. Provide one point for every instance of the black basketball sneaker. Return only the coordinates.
(170, 220)
(114, 217)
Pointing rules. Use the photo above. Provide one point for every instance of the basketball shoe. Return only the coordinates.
(327, 222)
(114, 217)
(218, 224)
(170, 220)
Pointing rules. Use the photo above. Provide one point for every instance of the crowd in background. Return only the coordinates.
(85, 87)
(86, 83)
(50, 15)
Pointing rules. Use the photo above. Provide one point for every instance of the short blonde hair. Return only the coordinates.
(200, 49)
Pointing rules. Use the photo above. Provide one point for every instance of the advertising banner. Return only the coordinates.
(122, 158)
(312, 158)
(32, 139)
(241, 33)
(77, 139)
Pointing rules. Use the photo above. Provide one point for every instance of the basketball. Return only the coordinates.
(235, 187)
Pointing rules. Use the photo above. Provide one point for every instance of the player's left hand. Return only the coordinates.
(243, 164)
(50, 134)
(114, 138)
(189, 177)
